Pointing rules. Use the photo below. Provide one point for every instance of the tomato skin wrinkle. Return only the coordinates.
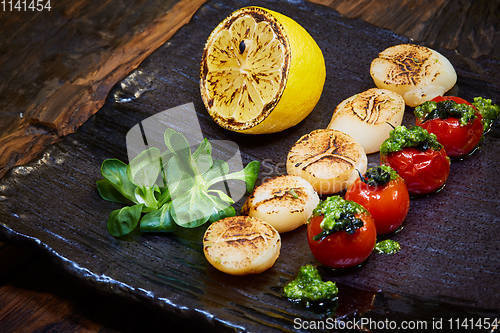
(423, 171)
(340, 249)
(388, 204)
(458, 140)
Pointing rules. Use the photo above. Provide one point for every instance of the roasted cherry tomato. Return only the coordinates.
(342, 249)
(424, 171)
(384, 194)
(458, 138)
(417, 157)
(451, 98)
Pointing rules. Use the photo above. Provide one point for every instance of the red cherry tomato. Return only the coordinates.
(423, 171)
(388, 204)
(451, 98)
(340, 249)
(458, 140)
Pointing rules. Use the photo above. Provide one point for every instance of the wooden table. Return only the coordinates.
(56, 71)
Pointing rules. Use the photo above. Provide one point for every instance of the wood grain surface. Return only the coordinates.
(36, 295)
(57, 67)
(58, 91)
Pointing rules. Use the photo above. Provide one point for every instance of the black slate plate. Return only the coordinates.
(448, 263)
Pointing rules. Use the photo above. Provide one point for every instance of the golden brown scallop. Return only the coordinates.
(327, 159)
(285, 202)
(241, 245)
(366, 117)
(415, 72)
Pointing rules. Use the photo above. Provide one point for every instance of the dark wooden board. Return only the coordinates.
(449, 244)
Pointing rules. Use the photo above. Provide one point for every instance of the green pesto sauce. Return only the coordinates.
(387, 246)
(308, 286)
(416, 137)
(338, 215)
(379, 175)
(488, 110)
(445, 109)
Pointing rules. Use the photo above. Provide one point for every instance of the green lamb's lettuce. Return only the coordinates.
(145, 167)
(108, 192)
(186, 198)
(143, 172)
(159, 220)
(190, 177)
(114, 172)
(123, 221)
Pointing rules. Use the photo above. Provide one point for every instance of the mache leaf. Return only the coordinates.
(146, 195)
(223, 213)
(144, 168)
(223, 196)
(181, 175)
(164, 196)
(177, 144)
(218, 170)
(123, 221)
(249, 175)
(108, 192)
(202, 156)
(180, 169)
(159, 220)
(115, 171)
(189, 177)
(195, 208)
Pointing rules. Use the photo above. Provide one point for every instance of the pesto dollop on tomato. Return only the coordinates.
(415, 137)
(488, 110)
(379, 175)
(444, 110)
(308, 286)
(338, 215)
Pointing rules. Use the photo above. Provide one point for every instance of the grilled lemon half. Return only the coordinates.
(261, 72)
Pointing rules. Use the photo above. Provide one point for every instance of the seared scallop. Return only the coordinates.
(328, 159)
(367, 117)
(415, 72)
(241, 245)
(285, 202)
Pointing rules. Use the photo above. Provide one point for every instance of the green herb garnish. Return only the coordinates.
(387, 246)
(379, 175)
(293, 193)
(416, 137)
(186, 198)
(445, 109)
(308, 287)
(338, 215)
(488, 110)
